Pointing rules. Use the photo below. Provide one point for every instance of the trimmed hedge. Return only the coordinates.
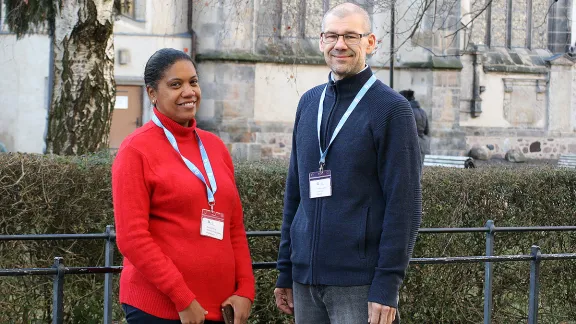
(52, 194)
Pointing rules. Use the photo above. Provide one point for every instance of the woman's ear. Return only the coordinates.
(151, 95)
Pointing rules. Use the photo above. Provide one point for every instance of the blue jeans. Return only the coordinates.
(136, 316)
(331, 304)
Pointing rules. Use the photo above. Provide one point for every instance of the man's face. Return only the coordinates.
(344, 59)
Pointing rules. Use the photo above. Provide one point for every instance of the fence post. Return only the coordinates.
(488, 273)
(108, 261)
(534, 285)
(58, 295)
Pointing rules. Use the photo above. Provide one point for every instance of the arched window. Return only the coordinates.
(531, 24)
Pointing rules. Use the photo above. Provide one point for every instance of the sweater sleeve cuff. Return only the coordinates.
(182, 297)
(246, 289)
(385, 288)
(284, 280)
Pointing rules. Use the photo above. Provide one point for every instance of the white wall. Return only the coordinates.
(278, 89)
(573, 21)
(163, 18)
(493, 100)
(168, 17)
(166, 25)
(24, 92)
(140, 49)
(560, 94)
(405, 16)
(573, 104)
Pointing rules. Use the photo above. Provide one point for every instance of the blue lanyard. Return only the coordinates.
(190, 165)
(344, 118)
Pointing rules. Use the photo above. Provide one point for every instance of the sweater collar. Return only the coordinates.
(331, 75)
(176, 129)
(349, 86)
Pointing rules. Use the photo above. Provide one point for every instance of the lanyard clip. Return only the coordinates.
(321, 166)
(211, 203)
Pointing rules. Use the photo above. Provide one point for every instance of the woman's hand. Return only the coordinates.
(193, 314)
(241, 307)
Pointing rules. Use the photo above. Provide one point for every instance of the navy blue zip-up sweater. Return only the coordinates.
(364, 233)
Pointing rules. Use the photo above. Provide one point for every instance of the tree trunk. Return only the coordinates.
(84, 88)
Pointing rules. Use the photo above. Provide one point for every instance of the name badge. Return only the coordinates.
(320, 184)
(212, 224)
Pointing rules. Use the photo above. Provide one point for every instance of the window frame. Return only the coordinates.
(138, 10)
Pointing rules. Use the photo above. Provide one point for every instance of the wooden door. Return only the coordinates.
(127, 115)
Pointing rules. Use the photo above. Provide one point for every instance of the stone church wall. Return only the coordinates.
(256, 59)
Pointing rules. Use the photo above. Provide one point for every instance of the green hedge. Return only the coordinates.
(51, 194)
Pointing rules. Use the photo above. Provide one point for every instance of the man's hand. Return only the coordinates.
(284, 300)
(241, 307)
(380, 314)
(193, 314)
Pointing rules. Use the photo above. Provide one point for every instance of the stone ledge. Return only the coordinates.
(509, 131)
(566, 59)
(435, 63)
(519, 60)
(515, 69)
(255, 58)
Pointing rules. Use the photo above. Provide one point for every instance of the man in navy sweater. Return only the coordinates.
(353, 199)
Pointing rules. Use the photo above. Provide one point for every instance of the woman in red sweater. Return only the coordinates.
(178, 215)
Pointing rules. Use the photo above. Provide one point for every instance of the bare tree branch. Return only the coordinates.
(416, 25)
(546, 16)
(488, 3)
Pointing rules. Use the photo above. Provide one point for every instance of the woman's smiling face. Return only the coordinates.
(178, 93)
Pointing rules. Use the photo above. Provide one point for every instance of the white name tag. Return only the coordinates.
(212, 224)
(320, 184)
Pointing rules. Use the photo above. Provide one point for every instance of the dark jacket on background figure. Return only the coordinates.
(422, 126)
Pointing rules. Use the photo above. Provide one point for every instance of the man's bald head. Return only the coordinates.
(346, 9)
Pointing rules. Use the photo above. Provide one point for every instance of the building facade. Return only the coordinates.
(498, 73)
(143, 27)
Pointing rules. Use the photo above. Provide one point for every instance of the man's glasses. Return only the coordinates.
(350, 39)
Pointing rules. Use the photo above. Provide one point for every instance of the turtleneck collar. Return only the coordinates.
(176, 129)
(348, 86)
(332, 73)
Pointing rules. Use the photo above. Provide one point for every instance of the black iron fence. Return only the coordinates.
(59, 270)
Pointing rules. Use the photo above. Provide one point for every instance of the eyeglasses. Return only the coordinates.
(350, 39)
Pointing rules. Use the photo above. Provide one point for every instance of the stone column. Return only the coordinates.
(444, 116)
(560, 94)
(227, 107)
(573, 35)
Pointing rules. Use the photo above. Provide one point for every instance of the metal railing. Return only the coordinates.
(59, 270)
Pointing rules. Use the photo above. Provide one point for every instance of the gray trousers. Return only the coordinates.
(331, 304)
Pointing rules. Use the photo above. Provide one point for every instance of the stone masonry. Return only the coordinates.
(257, 59)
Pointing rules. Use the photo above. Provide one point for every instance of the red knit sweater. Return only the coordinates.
(158, 203)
